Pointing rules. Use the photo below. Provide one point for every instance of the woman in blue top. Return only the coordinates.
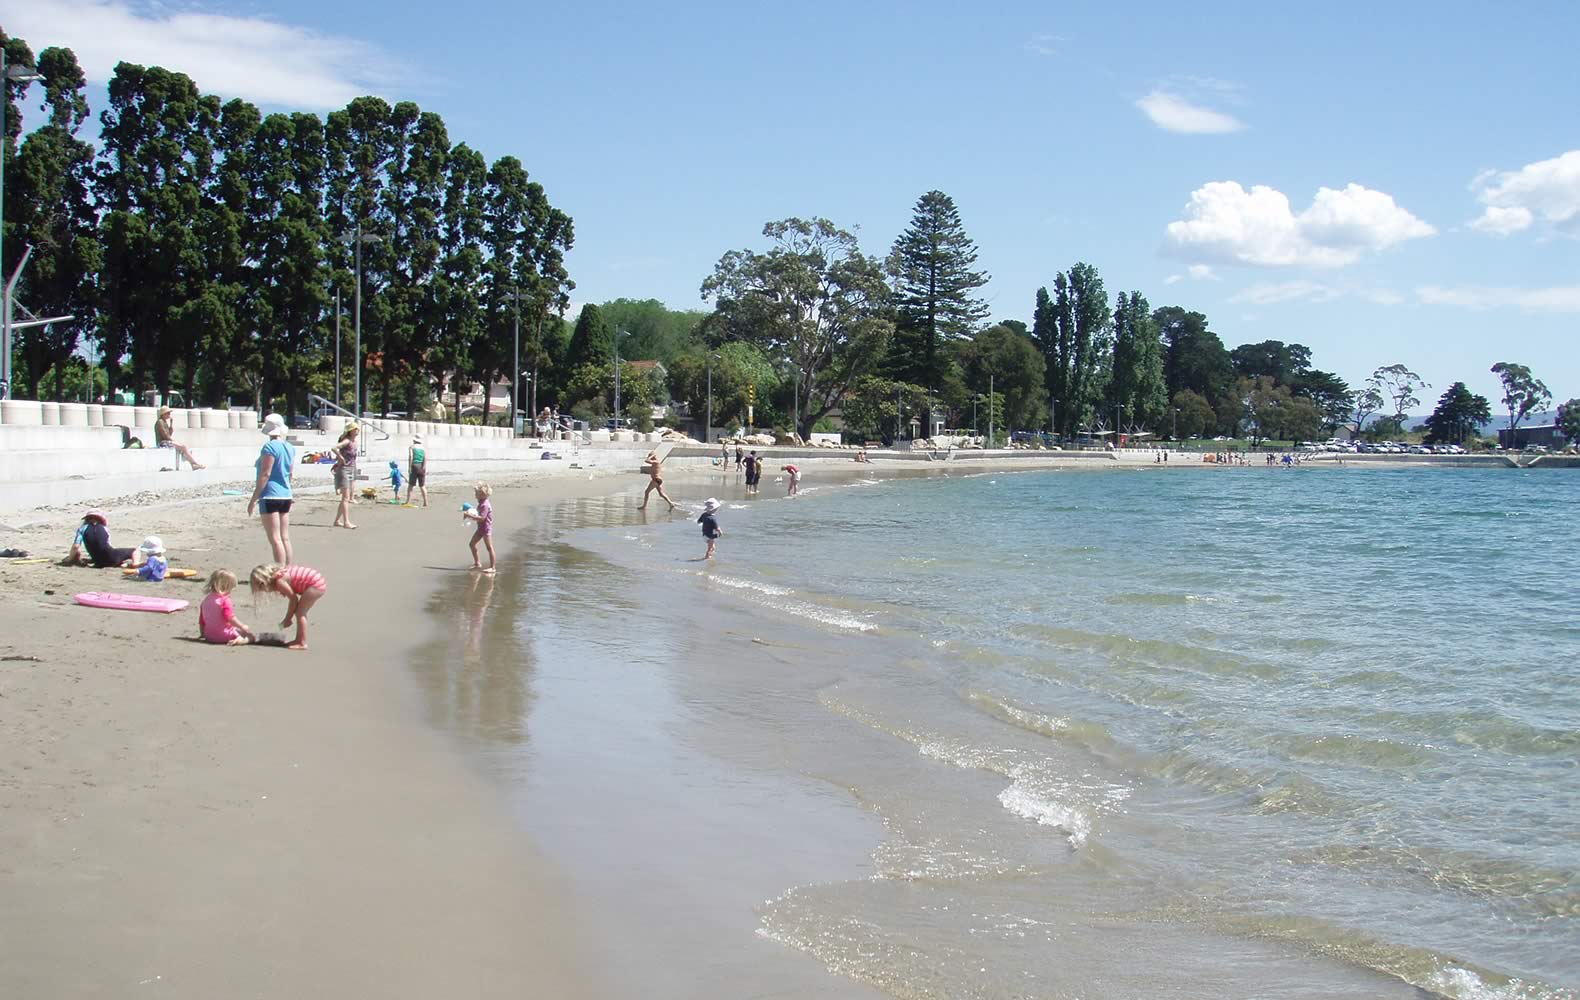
(273, 490)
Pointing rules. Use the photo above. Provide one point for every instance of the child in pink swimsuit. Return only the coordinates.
(484, 516)
(300, 586)
(217, 620)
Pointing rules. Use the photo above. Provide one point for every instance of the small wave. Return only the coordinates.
(1160, 600)
(1015, 715)
(1025, 803)
(761, 588)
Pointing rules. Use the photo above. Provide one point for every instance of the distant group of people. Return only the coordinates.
(301, 587)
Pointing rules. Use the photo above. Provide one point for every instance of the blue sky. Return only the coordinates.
(1382, 182)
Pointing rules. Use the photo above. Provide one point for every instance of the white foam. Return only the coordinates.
(761, 588)
(1025, 803)
(1462, 984)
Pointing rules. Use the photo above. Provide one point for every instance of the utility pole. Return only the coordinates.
(616, 379)
(992, 404)
(339, 385)
(515, 369)
(707, 428)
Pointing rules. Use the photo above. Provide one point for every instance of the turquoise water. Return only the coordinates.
(1239, 732)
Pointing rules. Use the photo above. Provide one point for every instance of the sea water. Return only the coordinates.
(1226, 732)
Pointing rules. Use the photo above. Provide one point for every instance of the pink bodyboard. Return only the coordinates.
(130, 602)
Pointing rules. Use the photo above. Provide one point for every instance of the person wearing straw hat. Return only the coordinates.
(345, 470)
(276, 462)
(710, 524)
(417, 469)
(165, 439)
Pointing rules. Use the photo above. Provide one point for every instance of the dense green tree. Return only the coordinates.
(50, 206)
(592, 342)
(1568, 421)
(1137, 382)
(736, 366)
(1364, 404)
(1522, 391)
(653, 331)
(935, 285)
(877, 408)
(1194, 415)
(1262, 406)
(813, 299)
(1195, 359)
(1006, 360)
(1277, 360)
(1459, 413)
(1071, 327)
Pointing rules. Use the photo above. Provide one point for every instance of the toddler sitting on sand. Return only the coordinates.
(217, 620)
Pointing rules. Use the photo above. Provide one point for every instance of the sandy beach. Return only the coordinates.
(198, 821)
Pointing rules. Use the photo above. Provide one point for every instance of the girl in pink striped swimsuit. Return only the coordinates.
(300, 586)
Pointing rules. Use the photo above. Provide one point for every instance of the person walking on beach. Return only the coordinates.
(276, 461)
(740, 458)
(164, 438)
(346, 473)
(793, 474)
(724, 457)
(655, 480)
(417, 467)
(483, 514)
(300, 586)
(754, 470)
(710, 524)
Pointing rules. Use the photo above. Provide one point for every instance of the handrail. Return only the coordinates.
(313, 397)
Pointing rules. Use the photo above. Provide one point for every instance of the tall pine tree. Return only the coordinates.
(934, 291)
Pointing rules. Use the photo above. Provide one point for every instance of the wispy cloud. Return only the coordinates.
(1173, 113)
(1270, 293)
(1559, 298)
(257, 58)
(1045, 44)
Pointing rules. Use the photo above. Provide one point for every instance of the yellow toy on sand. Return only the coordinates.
(170, 574)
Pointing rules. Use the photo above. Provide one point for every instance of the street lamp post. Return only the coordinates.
(515, 383)
(338, 384)
(991, 408)
(15, 73)
(359, 239)
(617, 333)
(707, 428)
(1174, 424)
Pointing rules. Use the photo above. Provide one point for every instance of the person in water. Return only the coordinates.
(710, 524)
(655, 481)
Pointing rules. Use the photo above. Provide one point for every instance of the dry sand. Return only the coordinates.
(185, 820)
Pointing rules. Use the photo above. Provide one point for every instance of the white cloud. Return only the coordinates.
(1502, 221)
(1549, 189)
(1560, 298)
(1173, 279)
(1202, 272)
(1227, 223)
(256, 58)
(1385, 297)
(1175, 114)
(1269, 293)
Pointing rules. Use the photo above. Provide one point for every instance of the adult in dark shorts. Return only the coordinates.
(417, 467)
(96, 543)
(754, 470)
(272, 492)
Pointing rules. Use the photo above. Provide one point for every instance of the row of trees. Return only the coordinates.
(202, 244)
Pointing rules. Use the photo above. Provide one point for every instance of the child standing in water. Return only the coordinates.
(484, 516)
(300, 586)
(217, 620)
(710, 524)
(793, 474)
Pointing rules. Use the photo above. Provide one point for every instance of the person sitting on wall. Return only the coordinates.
(163, 436)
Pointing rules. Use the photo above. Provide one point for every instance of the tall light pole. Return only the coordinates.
(616, 338)
(359, 239)
(992, 407)
(515, 383)
(339, 385)
(707, 428)
(15, 73)
(1174, 432)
